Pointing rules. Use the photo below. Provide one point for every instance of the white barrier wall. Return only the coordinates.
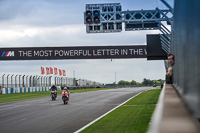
(25, 89)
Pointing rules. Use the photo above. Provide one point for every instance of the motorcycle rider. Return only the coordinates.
(54, 88)
(66, 89)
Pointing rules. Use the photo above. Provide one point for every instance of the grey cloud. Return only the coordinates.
(39, 12)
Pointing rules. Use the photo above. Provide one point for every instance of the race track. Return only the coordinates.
(45, 116)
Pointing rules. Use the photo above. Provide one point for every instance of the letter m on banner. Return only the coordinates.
(8, 53)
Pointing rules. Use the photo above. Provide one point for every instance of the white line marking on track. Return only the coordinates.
(105, 114)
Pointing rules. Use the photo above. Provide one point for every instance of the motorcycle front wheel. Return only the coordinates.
(64, 100)
(52, 98)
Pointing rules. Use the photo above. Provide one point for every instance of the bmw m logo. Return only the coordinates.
(8, 54)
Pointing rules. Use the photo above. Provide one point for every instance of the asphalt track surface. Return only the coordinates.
(45, 116)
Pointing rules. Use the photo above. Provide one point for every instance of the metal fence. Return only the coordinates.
(186, 48)
(16, 80)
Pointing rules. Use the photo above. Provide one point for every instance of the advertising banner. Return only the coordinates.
(84, 52)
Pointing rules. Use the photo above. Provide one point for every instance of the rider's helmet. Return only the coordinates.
(53, 87)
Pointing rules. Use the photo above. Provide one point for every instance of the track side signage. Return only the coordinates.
(84, 52)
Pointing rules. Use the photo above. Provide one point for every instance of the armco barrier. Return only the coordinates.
(16, 90)
(25, 89)
(32, 89)
(11, 90)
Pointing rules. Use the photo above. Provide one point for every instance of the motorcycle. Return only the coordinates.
(53, 95)
(65, 97)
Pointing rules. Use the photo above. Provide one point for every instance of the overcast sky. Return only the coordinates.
(50, 23)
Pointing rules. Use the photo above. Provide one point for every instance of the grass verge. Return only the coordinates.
(132, 117)
(4, 98)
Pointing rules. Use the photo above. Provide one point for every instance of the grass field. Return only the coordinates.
(132, 117)
(24, 96)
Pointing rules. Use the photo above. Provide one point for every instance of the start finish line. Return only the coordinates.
(84, 52)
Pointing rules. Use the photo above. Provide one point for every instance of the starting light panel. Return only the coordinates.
(97, 16)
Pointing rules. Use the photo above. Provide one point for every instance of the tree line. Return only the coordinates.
(145, 82)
